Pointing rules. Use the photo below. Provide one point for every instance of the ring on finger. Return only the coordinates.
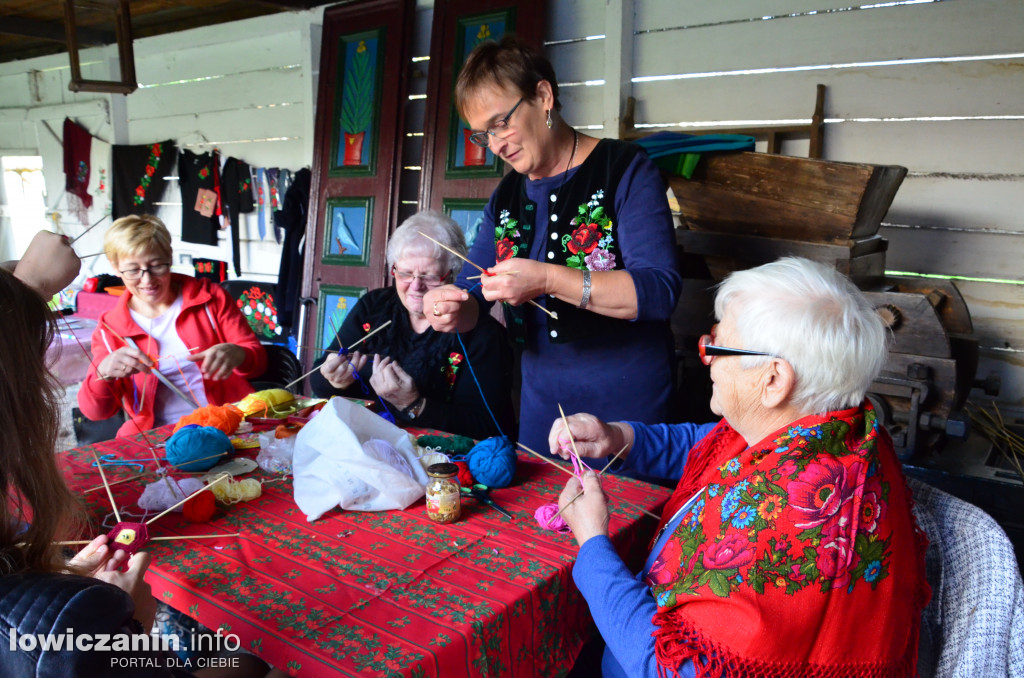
(437, 313)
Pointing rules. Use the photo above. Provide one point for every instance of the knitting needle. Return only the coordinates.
(90, 256)
(569, 432)
(288, 386)
(478, 277)
(487, 273)
(79, 542)
(116, 482)
(599, 473)
(547, 460)
(201, 489)
(94, 225)
(110, 494)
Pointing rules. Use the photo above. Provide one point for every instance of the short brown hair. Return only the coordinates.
(510, 63)
(135, 234)
(36, 505)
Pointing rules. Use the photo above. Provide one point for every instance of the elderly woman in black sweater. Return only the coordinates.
(460, 383)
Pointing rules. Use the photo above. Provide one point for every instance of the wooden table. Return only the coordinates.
(383, 594)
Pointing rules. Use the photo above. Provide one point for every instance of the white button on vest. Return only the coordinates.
(554, 333)
(553, 197)
(554, 217)
(551, 255)
(554, 236)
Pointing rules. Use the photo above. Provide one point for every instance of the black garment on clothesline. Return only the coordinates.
(197, 172)
(292, 220)
(236, 192)
(138, 176)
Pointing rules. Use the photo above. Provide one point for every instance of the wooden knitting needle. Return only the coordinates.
(116, 482)
(201, 489)
(599, 473)
(546, 460)
(370, 334)
(94, 225)
(110, 494)
(568, 431)
(485, 272)
(80, 542)
(478, 277)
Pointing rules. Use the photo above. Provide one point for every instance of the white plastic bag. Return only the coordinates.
(331, 467)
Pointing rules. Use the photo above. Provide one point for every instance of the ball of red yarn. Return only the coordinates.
(200, 508)
(465, 477)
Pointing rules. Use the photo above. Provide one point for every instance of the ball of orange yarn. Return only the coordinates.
(223, 417)
(200, 508)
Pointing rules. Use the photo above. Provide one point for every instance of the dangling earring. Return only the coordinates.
(549, 118)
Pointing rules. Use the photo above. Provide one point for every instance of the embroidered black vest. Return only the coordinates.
(585, 236)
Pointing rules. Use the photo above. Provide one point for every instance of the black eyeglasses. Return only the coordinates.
(480, 138)
(708, 351)
(156, 270)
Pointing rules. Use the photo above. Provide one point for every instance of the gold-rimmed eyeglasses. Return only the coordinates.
(156, 270)
(406, 277)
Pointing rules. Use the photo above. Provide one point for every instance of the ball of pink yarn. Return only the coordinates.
(548, 518)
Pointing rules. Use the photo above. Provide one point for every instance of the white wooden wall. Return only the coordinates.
(246, 88)
(956, 124)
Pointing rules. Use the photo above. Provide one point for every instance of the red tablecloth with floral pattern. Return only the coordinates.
(390, 593)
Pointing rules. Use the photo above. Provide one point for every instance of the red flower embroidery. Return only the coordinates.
(366, 327)
(140, 191)
(239, 302)
(150, 169)
(504, 249)
(733, 551)
(584, 239)
(156, 150)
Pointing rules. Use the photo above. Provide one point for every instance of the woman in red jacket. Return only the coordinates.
(187, 329)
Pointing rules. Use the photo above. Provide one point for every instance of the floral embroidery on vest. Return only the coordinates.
(450, 370)
(591, 241)
(155, 151)
(507, 237)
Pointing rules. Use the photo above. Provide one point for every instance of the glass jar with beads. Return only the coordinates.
(444, 503)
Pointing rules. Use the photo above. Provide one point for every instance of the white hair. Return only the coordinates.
(407, 241)
(813, 317)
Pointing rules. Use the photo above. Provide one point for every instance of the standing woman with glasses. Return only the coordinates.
(582, 226)
(187, 329)
(427, 378)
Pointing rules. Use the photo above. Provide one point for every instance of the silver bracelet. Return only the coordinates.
(586, 289)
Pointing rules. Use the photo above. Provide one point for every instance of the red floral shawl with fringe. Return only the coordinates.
(800, 556)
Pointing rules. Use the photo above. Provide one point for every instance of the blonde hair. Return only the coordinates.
(136, 234)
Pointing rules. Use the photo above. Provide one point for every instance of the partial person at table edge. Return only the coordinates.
(789, 540)
(41, 592)
(581, 226)
(459, 383)
(188, 329)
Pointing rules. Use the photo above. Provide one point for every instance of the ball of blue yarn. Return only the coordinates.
(196, 442)
(492, 462)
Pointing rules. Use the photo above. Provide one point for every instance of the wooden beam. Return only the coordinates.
(44, 30)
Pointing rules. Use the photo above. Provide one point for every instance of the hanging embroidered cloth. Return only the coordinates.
(199, 201)
(99, 177)
(77, 150)
(139, 176)
(236, 191)
(799, 557)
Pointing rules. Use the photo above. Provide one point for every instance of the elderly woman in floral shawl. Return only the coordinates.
(788, 547)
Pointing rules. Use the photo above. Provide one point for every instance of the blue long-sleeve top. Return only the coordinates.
(620, 602)
(623, 375)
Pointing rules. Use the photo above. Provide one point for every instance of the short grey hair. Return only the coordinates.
(406, 240)
(813, 317)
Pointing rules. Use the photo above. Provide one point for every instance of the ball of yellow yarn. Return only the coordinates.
(233, 491)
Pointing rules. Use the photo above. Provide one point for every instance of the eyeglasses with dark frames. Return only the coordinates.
(708, 351)
(480, 138)
(156, 270)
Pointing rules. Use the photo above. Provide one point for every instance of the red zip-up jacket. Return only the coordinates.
(209, 316)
